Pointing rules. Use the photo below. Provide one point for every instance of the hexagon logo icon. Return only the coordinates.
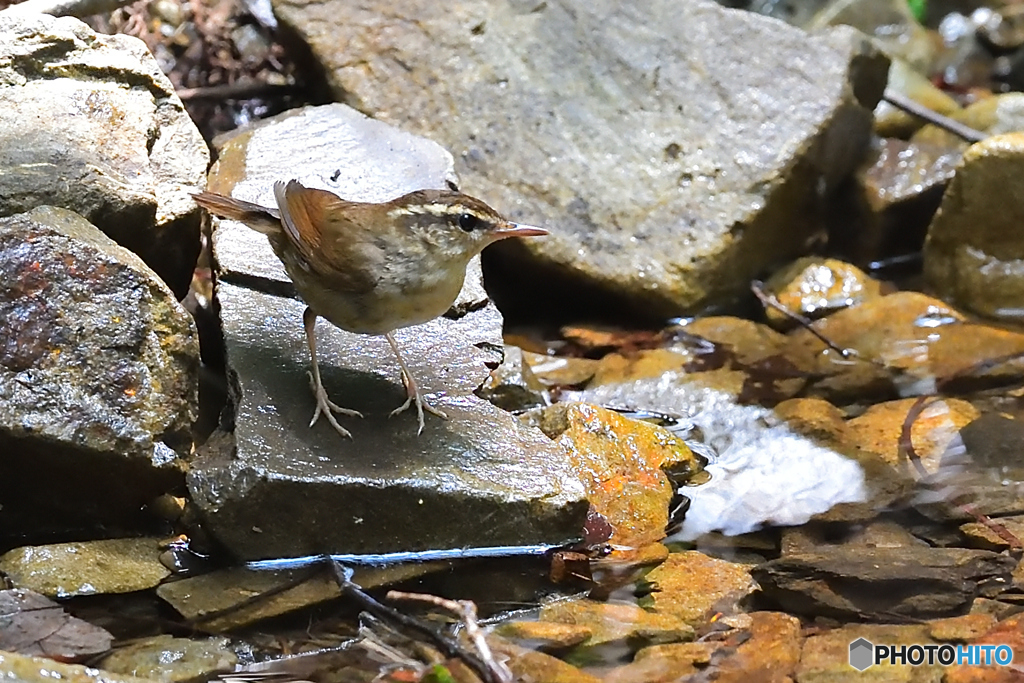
(862, 654)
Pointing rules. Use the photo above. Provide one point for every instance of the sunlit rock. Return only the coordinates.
(690, 585)
(93, 125)
(118, 565)
(617, 625)
(670, 183)
(530, 665)
(903, 344)
(762, 472)
(621, 464)
(963, 628)
(826, 656)
(665, 662)
(974, 254)
(544, 635)
(814, 287)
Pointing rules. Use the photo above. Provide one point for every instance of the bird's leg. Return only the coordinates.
(411, 388)
(323, 404)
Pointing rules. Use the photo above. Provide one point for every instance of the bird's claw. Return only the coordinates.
(413, 394)
(325, 406)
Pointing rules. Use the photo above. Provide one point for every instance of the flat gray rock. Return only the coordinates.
(883, 584)
(675, 148)
(92, 124)
(480, 478)
(98, 380)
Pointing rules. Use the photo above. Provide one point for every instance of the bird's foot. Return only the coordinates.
(325, 406)
(413, 394)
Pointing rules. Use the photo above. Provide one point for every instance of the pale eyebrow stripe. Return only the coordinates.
(433, 209)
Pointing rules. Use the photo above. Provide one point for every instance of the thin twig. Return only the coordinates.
(466, 611)
(757, 287)
(238, 91)
(448, 646)
(906, 446)
(911, 107)
(978, 368)
(906, 442)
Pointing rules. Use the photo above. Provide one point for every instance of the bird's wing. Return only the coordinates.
(305, 214)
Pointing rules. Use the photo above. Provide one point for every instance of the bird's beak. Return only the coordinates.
(518, 230)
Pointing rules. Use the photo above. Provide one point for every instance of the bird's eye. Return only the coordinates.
(469, 222)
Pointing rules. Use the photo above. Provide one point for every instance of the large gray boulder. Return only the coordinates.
(675, 148)
(92, 124)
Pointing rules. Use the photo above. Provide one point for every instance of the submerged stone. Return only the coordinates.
(169, 660)
(691, 586)
(15, 667)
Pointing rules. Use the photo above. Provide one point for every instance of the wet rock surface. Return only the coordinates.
(621, 462)
(290, 490)
(98, 380)
(94, 126)
(654, 173)
(617, 625)
(883, 584)
(27, 669)
(971, 256)
(813, 288)
(690, 585)
(826, 657)
(903, 344)
(545, 635)
(168, 659)
(221, 601)
(760, 469)
(891, 199)
(119, 565)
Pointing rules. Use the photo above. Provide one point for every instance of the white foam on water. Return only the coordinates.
(764, 472)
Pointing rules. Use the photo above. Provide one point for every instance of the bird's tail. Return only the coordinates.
(259, 218)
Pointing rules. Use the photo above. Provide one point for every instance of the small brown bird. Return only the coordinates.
(372, 268)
